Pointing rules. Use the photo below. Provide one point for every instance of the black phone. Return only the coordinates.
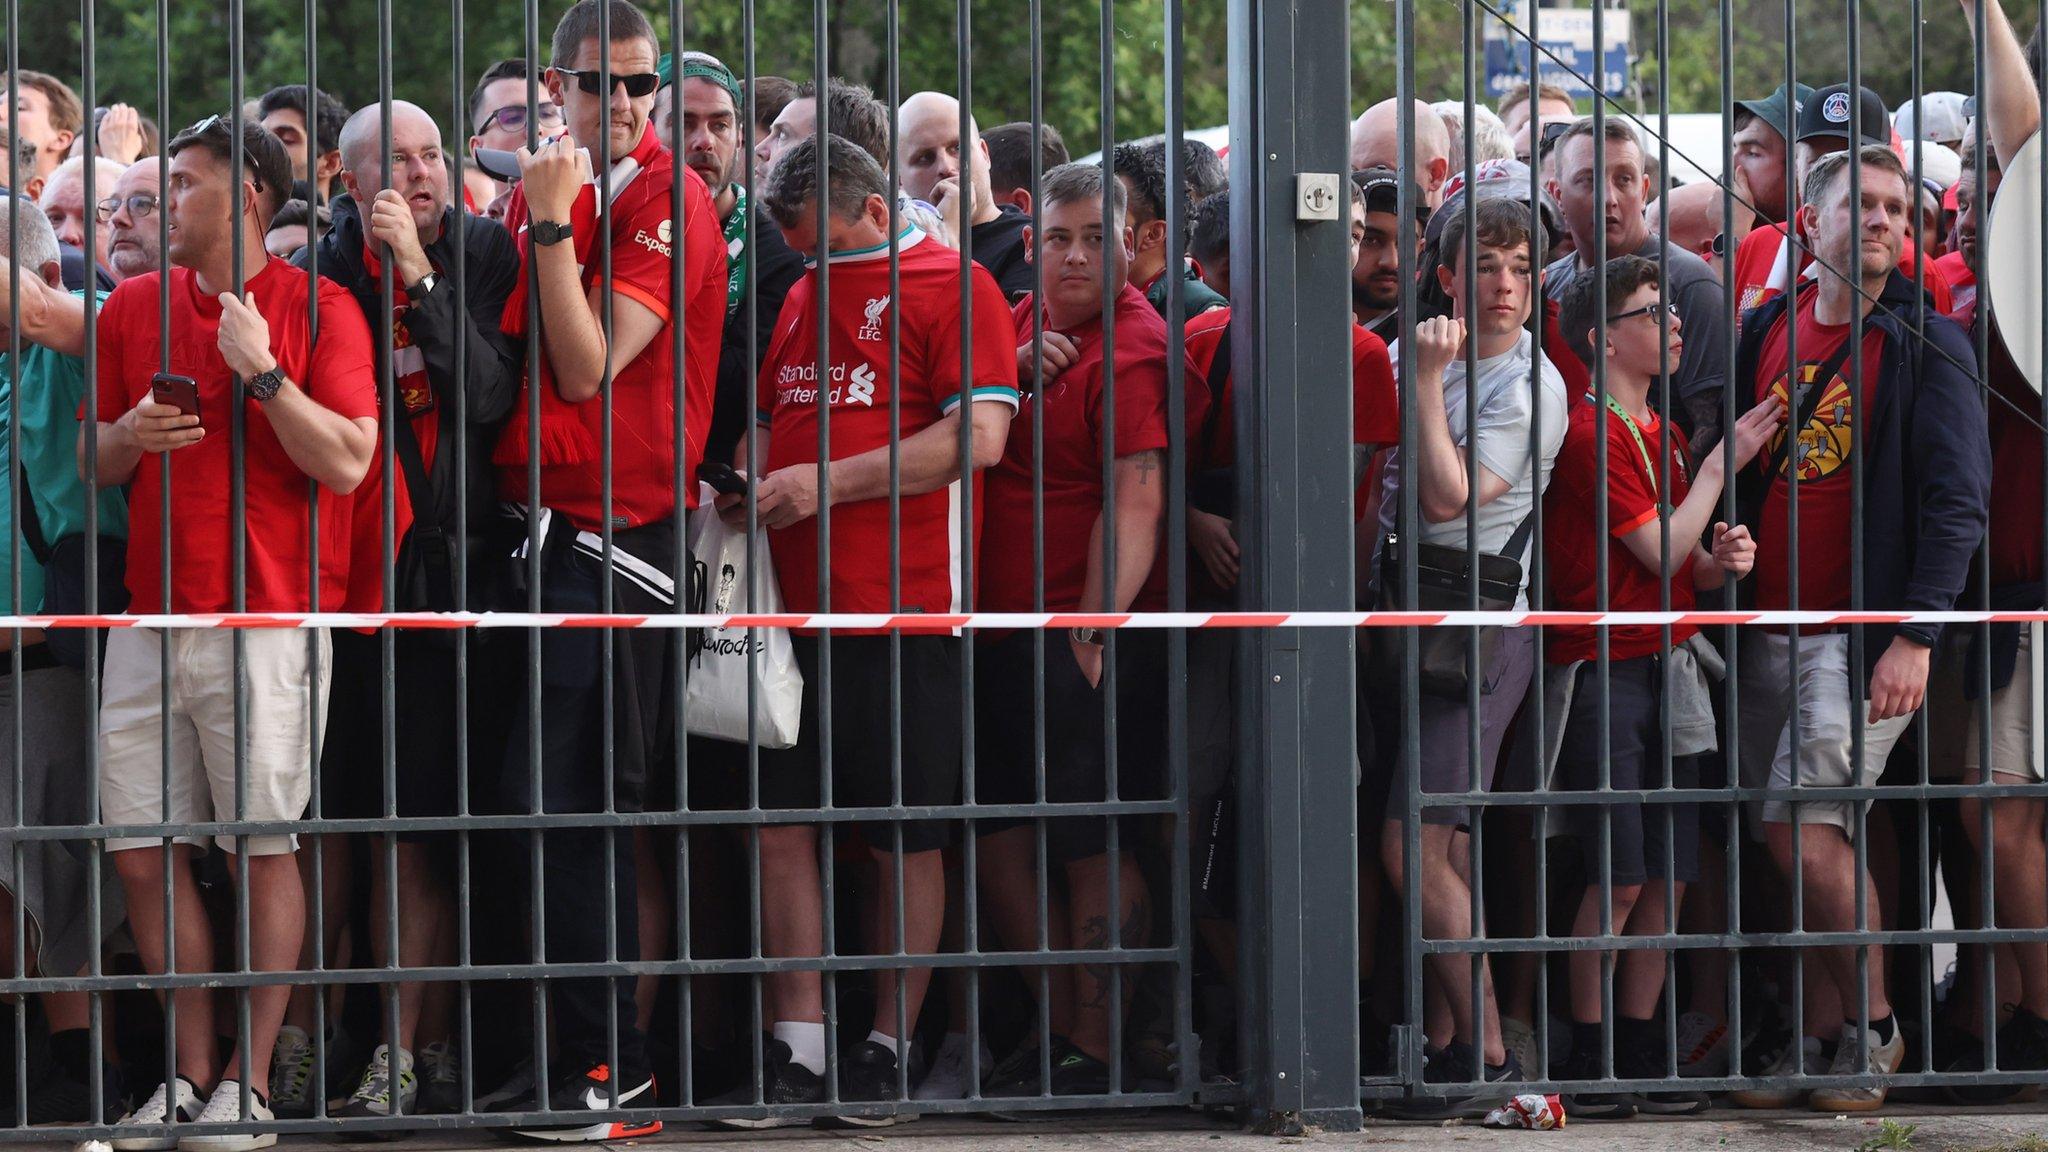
(724, 478)
(180, 392)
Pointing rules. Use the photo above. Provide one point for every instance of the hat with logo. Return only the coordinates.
(1382, 189)
(1779, 109)
(1828, 113)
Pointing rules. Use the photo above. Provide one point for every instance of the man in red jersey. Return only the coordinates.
(607, 527)
(1651, 498)
(875, 329)
(1099, 396)
(309, 413)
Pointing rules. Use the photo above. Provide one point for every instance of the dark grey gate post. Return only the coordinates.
(1289, 111)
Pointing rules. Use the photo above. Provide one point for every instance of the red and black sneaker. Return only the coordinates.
(579, 1095)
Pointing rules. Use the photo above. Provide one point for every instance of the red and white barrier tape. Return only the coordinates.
(926, 622)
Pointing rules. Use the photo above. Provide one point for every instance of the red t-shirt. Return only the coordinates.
(1071, 408)
(928, 280)
(644, 392)
(416, 399)
(2017, 514)
(338, 374)
(1375, 412)
(1823, 459)
(1962, 286)
(1576, 376)
(1571, 543)
(1756, 260)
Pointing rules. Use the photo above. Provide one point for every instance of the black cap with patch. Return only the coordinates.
(1827, 113)
(1382, 189)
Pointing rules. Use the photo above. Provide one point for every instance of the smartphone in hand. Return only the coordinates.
(180, 392)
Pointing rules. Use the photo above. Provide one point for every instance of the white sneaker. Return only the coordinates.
(158, 1110)
(1702, 1045)
(226, 1108)
(948, 1078)
(1884, 1060)
(1782, 1094)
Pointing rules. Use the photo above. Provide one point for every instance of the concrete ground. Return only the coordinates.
(1931, 1130)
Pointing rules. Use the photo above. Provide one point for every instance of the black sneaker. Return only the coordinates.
(1074, 1073)
(1594, 1103)
(1644, 1062)
(59, 1099)
(783, 1082)
(1454, 1066)
(867, 1075)
(2022, 1047)
(595, 1089)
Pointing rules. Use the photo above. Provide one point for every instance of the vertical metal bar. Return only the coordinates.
(96, 1043)
(16, 670)
(1859, 751)
(465, 1018)
(536, 848)
(1298, 837)
(238, 536)
(821, 33)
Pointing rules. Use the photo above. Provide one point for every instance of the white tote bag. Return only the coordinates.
(715, 701)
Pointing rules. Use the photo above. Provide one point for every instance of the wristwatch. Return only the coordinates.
(1086, 636)
(264, 385)
(421, 288)
(549, 232)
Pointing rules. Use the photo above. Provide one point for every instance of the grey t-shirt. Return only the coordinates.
(1703, 367)
(1507, 406)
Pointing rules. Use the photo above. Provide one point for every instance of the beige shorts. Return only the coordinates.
(1825, 756)
(194, 714)
(2016, 713)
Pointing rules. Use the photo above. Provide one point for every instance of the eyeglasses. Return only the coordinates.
(1670, 308)
(637, 84)
(141, 206)
(512, 117)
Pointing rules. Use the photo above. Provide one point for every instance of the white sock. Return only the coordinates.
(890, 1042)
(806, 1043)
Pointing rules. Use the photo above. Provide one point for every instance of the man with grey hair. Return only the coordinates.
(63, 201)
(922, 567)
(1099, 553)
(43, 393)
(398, 211)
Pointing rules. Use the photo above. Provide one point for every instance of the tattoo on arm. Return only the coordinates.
(1148, 463)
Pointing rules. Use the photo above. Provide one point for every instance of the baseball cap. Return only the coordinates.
(1778, 109)
(1935, 116)
(1828, 113)
(1382, 189)
(1496, 179)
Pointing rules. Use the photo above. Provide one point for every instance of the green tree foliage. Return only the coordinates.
(925, 54)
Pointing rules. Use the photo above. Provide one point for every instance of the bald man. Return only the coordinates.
(1376, 143)
(1695, 212)
(931, 160)
(398, 214)
(131, 232)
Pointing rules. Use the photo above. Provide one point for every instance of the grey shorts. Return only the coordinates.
(1825, 752)
(1445, 733)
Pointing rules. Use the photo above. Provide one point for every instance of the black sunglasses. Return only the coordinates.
(220, 123)
(141, 205)
(637, 84)
(512, 117)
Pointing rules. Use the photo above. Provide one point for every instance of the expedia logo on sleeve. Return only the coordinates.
(657, 243)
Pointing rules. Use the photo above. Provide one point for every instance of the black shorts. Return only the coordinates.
(1649, 840)
(423, 699)
(862, 773)
(1006, 696)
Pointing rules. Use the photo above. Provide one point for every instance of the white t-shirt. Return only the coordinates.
(1507, 407)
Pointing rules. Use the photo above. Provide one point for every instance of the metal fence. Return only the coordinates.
(603, 891)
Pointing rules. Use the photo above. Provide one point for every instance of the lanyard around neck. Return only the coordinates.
(1636, 434)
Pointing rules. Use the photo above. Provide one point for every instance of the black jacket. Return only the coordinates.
(772, 268)
(1927, 473)
(492, 370)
